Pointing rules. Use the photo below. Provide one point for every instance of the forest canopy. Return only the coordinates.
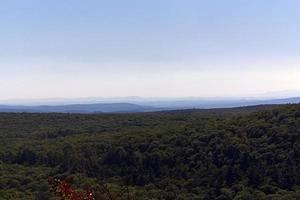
(224, 154)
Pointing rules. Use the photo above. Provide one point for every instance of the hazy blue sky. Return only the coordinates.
(79, 48)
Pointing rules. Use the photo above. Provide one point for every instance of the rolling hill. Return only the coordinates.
(144, 105)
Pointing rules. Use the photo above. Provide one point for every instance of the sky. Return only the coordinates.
(148, 48)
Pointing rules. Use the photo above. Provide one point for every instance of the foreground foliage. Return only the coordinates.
(251, 153)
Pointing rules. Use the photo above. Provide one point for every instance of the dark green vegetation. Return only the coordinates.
(251, 153)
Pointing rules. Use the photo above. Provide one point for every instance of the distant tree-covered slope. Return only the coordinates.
(79, 108)
(139, 105)
(242, 153)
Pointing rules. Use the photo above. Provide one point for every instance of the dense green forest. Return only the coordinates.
(223, 154)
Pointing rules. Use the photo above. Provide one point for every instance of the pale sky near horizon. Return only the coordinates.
(157, 48)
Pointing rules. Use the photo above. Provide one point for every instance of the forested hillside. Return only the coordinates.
(242, 153)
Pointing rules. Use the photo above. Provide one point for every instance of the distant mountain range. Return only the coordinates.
(144, 105)
(79, 108)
